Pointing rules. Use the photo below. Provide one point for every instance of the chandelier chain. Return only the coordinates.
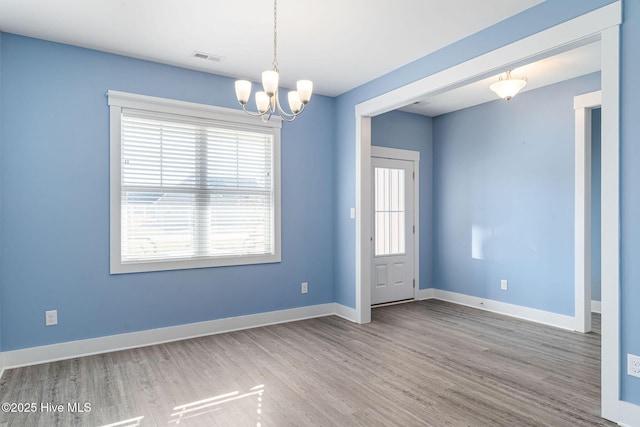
(268, 101)
(275, 35)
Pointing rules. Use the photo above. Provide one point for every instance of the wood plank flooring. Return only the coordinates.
(427, 363)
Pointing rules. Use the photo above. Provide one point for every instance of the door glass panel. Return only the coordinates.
(389, 211)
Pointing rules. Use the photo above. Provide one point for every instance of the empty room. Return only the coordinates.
(434, 223)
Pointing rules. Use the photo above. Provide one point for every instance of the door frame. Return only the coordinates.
(583, 104)
(414, 157)
(603, 24)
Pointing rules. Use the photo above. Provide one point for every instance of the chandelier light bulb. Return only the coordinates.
(243, 91)
(262, 102)
(305, 88)
(270, 81)
(294, 101)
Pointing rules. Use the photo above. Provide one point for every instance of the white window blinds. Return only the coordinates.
(193, 192)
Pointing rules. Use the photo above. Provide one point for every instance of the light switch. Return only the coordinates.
(353, 213)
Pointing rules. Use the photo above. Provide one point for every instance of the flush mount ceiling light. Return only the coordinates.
(508, 87)
(267, 100)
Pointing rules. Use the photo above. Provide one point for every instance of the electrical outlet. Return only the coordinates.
(633, 365)
(504, 285)
(51, 317)
(304, 287)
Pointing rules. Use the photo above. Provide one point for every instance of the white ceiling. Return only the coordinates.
(339, 44)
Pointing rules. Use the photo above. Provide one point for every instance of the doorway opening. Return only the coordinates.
(602, 24)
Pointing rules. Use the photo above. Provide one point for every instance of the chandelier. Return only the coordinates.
(267, 101)
(508, 87)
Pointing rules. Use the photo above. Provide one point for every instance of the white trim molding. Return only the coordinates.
(562, 36)
(172, 106)
(583, 104)
(588, 100)
(364, 220)
(610, 221)
(534, 315)
(201, 116)
(428, 293)
(72, 349)
(629, 414)
(91, 346)
(531, 314)
(395, 153)
(345, 312)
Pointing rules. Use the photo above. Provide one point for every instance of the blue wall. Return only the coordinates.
(408, 131)
(630, 195)
(596, 253)
(344, 200)
(504, 197)
(55, 198)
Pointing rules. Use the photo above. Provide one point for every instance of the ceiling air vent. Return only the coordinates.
(207, 56)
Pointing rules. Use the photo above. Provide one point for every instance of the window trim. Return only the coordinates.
(120, 100)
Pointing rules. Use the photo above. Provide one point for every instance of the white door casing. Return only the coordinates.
(583, 104)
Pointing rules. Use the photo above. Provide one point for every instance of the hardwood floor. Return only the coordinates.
(427, 363)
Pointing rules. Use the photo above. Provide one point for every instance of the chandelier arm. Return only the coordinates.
(256, 114)
(266, 117)
(281, 110)
(285, 114)
(298, 113)
(287, 117)
(289, 120)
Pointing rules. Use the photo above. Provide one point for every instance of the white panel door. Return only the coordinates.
(393, 230)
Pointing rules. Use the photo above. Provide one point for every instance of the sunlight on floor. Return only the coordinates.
(131, 422)
(201, 407)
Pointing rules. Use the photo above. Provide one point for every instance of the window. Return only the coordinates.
(191, 186)
(389, 217)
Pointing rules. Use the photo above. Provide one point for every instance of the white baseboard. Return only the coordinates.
(67, 350)
(526, 313)
(425, 294)
(72, 349)
(596, 306)
(345, 312)
(629, 414)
